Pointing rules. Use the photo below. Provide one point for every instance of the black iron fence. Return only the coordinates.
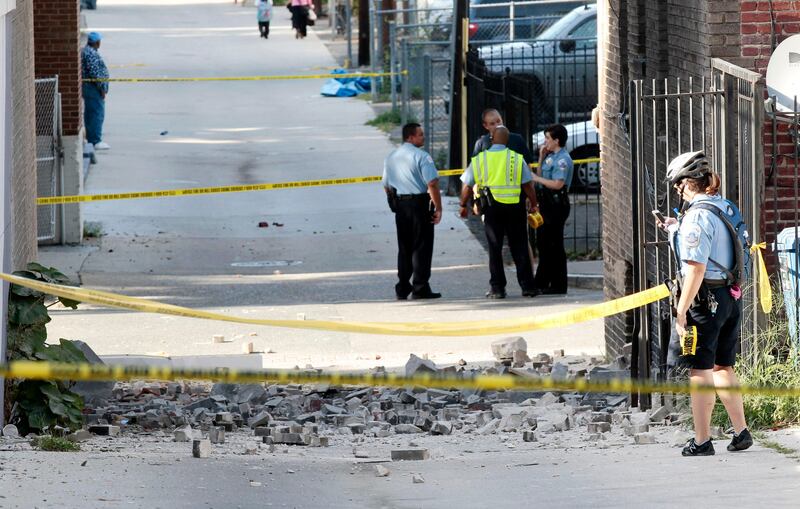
(535, 85)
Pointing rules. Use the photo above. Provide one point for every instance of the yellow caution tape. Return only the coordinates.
(247, 78)
(96, 372)
(56, 200)
(764, 287)
(205, 190)
(465, 328)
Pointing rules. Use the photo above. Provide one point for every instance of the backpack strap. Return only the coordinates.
(732, 274)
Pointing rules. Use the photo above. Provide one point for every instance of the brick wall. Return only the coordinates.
(760, 31)
(617, 236)
(57, 46)
(23, 170)
(647, 40)
(678, 38)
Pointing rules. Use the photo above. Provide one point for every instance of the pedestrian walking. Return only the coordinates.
(411, 183)
(707, 295)
(501, 175)
(264, 15)
(300, 16)
(94, 92)
(552, 189)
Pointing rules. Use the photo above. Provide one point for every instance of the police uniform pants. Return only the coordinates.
(502, 220)
(415, 245)
(551, 273)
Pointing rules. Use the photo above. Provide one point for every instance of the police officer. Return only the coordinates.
(552, 186)
(491, 120)
(500, 173)
(704, 250)
(411, 182)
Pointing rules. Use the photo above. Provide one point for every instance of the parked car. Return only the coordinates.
(490, 20)
(561, 63)
(583, 142)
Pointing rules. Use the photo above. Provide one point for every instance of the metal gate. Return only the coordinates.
(721, 116)
(48, 157)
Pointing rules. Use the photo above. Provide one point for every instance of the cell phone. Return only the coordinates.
(659, 216)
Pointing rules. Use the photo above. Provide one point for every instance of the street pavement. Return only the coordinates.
(328, 253)
(333, 258)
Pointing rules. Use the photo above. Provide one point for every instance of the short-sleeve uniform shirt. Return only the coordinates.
(558, 166)
(409, 170)
(703, 238)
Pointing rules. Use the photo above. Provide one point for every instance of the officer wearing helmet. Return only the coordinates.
(704, 251)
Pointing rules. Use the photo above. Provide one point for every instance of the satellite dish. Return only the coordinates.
(783, 77)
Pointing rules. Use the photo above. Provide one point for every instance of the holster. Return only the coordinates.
(674, 286)
(391, 197)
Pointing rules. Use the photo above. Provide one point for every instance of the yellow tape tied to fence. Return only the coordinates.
(96, 372)
(57, 200)
(466, 328)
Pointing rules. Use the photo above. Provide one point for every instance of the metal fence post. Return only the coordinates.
(426, 101)
(348, 13)
(392, 62)
(373, 82)
(404, 65)
(511, 23)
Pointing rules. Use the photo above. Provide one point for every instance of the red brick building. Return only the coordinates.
(641, 39)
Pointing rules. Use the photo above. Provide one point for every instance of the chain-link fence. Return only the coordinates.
(48, 156)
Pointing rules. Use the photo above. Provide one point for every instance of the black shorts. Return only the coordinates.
(717, 334)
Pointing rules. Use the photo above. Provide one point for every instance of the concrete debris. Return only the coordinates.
(201, 448)
(417, 365)
(184, 434)
(680, 437)
(81, 435)
(10, 431)
(659, 415)
(107, 430)
(417, 479)
(505, 350)
(216, 434)
(381, 471)
(644, 438)
(251, 449)
(319, 414)
(410, 454)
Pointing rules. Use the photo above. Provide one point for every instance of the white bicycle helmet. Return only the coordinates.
(691, 165)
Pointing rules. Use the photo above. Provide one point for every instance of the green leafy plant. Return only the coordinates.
(40, 404)
(771, 360)
(58, 444)
(386, 121)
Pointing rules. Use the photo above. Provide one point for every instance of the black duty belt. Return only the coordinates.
(715, 283)
(405, 197)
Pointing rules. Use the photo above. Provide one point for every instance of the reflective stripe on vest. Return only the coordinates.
(501, 172)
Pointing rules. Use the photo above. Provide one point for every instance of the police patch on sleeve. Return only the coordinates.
(690, 236)
(429, 159)
(562, 164)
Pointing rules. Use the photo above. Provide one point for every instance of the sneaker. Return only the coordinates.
(102, 146)
(496, 294)
(531, 293)
(741, 441)
(693, 449)
(426, 295)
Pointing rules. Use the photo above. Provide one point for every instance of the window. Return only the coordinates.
(587, 29)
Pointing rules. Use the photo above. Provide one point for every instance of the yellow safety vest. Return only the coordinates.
(501, 172)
